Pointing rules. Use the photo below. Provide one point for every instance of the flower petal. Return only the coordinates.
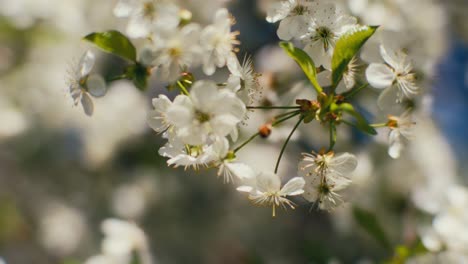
(379, 75)
(268, 181)
(295, 186)
(87, 104)
(343, 163)
(96, 85)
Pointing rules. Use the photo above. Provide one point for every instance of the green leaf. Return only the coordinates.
(138, 73)
(362, 123)
(305, 62)
(369, 222)
(346, 48)
(114, 42)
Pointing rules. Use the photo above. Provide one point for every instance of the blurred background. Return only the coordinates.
(62, 173)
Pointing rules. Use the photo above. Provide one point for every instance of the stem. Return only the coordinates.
(286, 143)
(332, 136)
(352, 93)
(247, 142)
(378, 125)
(287, 113)
(277, 122)
(116, 78)
(182, 87)
(273, 107)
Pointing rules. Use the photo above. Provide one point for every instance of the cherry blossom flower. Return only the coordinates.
(82, 83)
(243, 80)
(395, 76)
(147, 16)
(177, 50)
(208, 111)
(326, 27)
(266, 189)
(294, 16)
(325, 176)
(218, 41)
(400, 127)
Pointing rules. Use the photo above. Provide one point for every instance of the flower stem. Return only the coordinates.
(332, 136)
(273, 107)
(379, 125)
(277, 122)
(182, 87)
(116, 78)
(286, 143)
(247, 142)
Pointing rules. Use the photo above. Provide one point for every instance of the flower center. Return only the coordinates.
(149, 10)
(202, 117)
(325, 35)
(193, 151)
(175, 52)
(324, 189)
(299, 10)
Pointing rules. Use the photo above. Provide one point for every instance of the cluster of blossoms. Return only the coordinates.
(202, 123)
(124, 242)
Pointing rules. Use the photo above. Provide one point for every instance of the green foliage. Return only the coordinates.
(369, 222)
(138, 73)
(305, 62)
(114, 42)
(403, 252)
(346, 48)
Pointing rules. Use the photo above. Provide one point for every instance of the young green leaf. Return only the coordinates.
(369, 222)
(346, 48)
(138, 73)
(362, 123)
(305, 62)
(114, 42)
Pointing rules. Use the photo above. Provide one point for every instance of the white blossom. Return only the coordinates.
(294, 16)
(82, 83)
(218, 41)
(227, 165)
(208, 111)
(157, 118)
(177, 50)
(184, 155)
(326, 27)
(400, 127)
(147, 16)
(243, 80)
(325, 176)
(121, 240)
(265, 189)
(395, 76)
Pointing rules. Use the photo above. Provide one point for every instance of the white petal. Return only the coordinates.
(222, 125)
(268, 181)
(343, 164)
(180, 113)
(87, 104)
(233, 65)
(389, 56)
(388, 98)
(241, 170)
(295, 186)
(86, 63)
(124, 8)
(396, 144)
(379, 75)
(138, 27)
(96, 85)
(204, 95)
